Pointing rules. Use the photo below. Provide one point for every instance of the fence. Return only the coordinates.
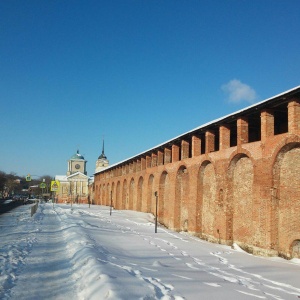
(34, 208)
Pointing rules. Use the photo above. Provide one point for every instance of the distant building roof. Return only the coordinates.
(61, 177)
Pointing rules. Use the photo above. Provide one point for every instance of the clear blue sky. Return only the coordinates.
(139, 72)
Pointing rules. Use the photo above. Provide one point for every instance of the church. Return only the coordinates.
(73, 186)
(76, 186)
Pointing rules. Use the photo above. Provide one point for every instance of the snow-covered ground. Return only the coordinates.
(84, 253)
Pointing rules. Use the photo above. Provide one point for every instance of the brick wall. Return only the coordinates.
(247, 194)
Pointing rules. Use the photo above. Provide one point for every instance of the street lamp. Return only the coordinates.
(110, 202)
(156, 196)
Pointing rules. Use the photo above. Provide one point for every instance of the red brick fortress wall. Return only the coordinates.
(236, 180)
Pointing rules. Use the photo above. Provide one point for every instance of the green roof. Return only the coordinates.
(77, 156)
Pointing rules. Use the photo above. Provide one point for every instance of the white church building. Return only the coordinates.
(76, 186)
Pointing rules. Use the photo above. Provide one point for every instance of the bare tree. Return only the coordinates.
(2, 183)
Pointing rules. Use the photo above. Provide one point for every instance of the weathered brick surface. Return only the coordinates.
(248, 193)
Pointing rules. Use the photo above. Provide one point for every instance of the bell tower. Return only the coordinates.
(76, 163)
(102, 161)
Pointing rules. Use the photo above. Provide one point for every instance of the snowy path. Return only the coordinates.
(84, 253)
(44, 267)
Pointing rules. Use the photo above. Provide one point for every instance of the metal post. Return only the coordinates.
(156, 196)
(110, 202)
(43, 188)
(71, 194)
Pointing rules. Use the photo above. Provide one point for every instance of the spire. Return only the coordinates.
(102, 161)
(102, 156)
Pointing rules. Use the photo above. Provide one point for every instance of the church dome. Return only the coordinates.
(77, 156)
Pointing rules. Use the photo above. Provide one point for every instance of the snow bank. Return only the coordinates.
(84, 253)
